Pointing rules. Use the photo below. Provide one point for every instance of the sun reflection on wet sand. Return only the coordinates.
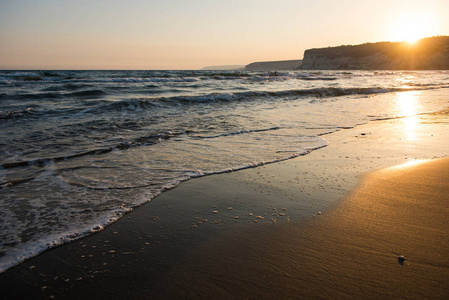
(411, 163)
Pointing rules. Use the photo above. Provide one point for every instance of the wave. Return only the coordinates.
(35, 78)
(158, 77)
(8, 114)
(76, 231)
(148, 103)
(55, 94)
(187, 77)
(257, 95)
(101, 105)
(140, 141)
(239, 132)
(66, 87)
(87, 93)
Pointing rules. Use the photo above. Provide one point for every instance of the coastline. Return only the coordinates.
(170, 235)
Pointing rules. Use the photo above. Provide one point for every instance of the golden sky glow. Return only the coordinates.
(190, 34)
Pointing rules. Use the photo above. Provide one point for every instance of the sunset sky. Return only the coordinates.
(191, 34)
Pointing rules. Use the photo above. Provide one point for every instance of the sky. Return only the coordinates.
(191, 34)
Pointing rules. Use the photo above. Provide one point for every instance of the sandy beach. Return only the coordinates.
(353, 252)
(330, 224)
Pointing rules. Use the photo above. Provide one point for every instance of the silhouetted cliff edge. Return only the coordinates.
(425, 54)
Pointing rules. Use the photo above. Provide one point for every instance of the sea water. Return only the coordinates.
(79, 149)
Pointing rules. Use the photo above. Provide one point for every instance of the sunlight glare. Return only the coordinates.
(407, 103)
(411, 163)
(411, 27)
(407, 106)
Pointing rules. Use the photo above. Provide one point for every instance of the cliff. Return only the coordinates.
(425, 54)
(274, 65)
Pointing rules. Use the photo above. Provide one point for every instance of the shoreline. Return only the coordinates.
(165, 233)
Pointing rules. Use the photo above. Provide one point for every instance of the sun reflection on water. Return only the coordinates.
(408, 107)
(408, 103)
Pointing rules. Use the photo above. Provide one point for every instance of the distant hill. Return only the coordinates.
(225, 67)
(274, 65)
(425, 54)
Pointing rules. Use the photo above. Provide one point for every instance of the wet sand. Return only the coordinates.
(352, 252)
(303, 228)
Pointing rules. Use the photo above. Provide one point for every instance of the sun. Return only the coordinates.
(411, 31)
(411, 27)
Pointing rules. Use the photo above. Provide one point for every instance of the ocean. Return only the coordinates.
(79, 149)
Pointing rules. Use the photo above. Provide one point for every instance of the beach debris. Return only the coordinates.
(281, 214)
(96, 228)
(401, 258)
(32, 267)
(260, 217)
(236, 217)
(215, 211)
(155, 219)
(230, 208)
(319, 213)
